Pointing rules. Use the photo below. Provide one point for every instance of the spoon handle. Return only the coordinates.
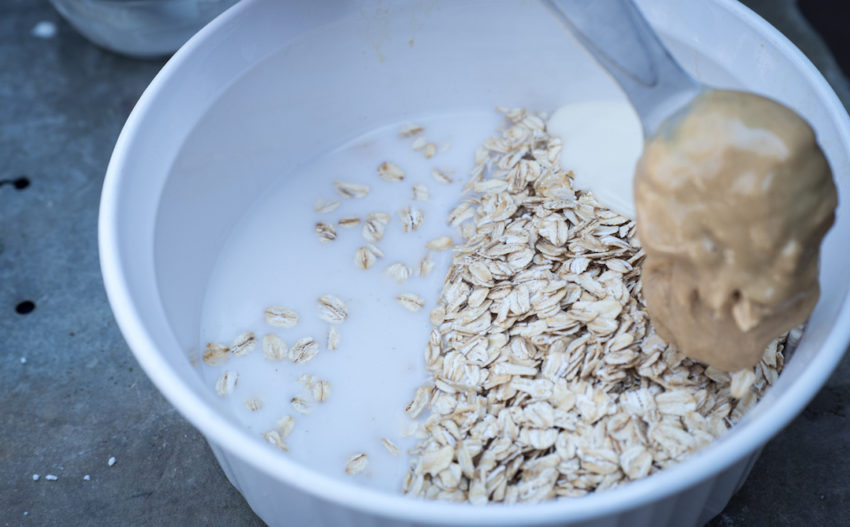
(622, 41)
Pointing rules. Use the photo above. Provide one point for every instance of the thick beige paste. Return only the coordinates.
(733, 198)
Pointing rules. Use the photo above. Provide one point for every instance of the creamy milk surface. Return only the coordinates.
(603, 141)
(274, 257)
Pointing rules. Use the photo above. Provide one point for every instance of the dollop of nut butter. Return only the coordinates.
(733, 197)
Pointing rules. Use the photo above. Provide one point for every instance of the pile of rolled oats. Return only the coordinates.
(548, 378)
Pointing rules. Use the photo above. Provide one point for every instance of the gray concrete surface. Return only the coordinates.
(71, 394)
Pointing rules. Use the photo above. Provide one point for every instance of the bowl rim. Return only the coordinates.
(236, 441)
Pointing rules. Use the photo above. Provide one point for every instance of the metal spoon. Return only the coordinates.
(622, 41)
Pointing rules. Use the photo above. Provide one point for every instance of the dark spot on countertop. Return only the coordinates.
(19, 183)
(25, 307)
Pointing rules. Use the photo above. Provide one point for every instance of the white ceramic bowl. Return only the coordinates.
(270, 84)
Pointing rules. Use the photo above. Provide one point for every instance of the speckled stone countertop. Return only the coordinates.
(71, 393)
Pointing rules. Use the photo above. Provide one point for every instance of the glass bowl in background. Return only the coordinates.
(140, 28)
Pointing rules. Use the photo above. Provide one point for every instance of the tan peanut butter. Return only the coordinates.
(733, 197)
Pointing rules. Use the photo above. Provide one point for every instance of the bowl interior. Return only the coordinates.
(273, 85)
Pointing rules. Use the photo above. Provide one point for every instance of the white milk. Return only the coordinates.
(273, 257)
(602, 143)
